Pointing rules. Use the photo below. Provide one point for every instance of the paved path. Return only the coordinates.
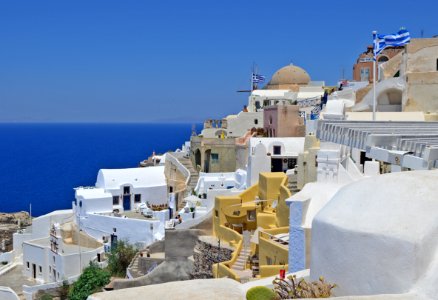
(15, 280)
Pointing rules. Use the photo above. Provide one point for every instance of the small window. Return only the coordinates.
(170, 189)
(115, 200)
(256, 121)
(41, 269)
(437, 64)
(251, 215)
(268, 260)
(126, 190)
(50, 269)
(28, 265)
(137, 198)
(277, 150)
(214, 157)
(216, 213)
(53, 259)
(270, 120)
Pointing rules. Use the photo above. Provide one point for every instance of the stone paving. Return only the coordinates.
(15, 280)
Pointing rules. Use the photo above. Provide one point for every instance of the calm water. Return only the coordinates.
(42, 163)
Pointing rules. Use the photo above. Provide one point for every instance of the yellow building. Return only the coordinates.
(256, 223)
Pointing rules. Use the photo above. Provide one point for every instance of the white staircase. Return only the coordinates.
(239, 266)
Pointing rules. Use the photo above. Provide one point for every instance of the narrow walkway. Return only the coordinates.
(194, 175)
(15, 280)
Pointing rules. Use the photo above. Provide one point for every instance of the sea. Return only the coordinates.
(41, 164)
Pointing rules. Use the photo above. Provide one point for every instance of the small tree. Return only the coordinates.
(120, 258)
(91, 281)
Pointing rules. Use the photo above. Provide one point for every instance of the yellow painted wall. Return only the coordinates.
(278, 253)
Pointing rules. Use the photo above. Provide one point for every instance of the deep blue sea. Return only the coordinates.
(42, 163)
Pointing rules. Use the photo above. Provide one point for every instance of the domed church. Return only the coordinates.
(289, 77)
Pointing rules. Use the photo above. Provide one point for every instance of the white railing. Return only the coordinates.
(170, 157)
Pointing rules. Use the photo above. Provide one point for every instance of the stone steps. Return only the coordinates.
(240, 262)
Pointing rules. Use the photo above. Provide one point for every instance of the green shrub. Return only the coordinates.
(260, 293)
(91, 281)
(120, 258)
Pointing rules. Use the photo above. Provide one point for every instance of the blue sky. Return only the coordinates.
(176, 61)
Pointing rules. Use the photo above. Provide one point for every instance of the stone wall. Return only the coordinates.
(207, 253)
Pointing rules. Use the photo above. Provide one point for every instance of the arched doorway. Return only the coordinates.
(197, 158)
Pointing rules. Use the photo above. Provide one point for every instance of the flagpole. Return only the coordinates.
(374, 75)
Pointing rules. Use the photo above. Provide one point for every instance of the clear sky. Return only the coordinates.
(170, 61)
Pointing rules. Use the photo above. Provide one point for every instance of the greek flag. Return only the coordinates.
(381, 41)
(256, 78)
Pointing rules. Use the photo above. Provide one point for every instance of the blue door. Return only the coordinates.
(127, 202)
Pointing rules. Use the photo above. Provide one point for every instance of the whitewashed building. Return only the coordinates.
(112, 206)
(272, 155)
(60, 256)
(199, 208)
(233, 125)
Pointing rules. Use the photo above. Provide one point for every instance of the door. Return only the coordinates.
(276, 165)
(207, 161)
(34, 271)
(127, 202)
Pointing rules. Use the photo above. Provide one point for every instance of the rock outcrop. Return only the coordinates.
(9, 224)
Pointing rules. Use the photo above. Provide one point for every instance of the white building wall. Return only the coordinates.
(258, 161)
(95, 205)
(40, 228)
(134, 231)
(35, 254)
(6, 293)
(73, 264)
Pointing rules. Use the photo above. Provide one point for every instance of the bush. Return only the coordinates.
(91, 281)
(291, 288)
(260, 293)
(120, 258)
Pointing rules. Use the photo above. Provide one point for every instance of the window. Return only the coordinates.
(170, 189)
(115, 200)
(364, 74)
(437, 64)
(277, 150)
(216, 213)
(291, 163)
(256, 121)
(251, 215)
(50, 269)
(126, 190)
(214, 157)
(53, 259)
(137, 198)
(28, 265)
(268, 260)
(41, 269)
(270, 120)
